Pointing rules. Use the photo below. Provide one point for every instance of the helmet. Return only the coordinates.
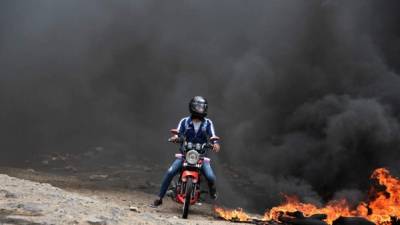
(198, 106)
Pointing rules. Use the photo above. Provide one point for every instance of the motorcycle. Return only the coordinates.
(187, 190)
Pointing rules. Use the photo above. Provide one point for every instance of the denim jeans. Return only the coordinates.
(176, 167)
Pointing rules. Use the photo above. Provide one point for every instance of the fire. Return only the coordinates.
(386, 202)
(382, 208)
(332, 210)
(236, 215)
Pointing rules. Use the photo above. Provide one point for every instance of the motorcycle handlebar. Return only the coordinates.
(208, 146)
(179, 140)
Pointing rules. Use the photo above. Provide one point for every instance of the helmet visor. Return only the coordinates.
(199, 107)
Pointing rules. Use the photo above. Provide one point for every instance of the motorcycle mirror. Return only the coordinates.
(214, 138)
(174, 131)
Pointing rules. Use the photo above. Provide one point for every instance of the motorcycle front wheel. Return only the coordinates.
(188, 196)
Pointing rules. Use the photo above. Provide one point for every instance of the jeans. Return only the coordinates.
(176, 167)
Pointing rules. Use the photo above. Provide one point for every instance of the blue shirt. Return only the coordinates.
(206, 130)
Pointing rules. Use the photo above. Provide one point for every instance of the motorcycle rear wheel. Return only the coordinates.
(188, 196)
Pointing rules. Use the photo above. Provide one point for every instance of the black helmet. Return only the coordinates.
(198, 106)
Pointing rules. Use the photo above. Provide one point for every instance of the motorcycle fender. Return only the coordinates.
(193, 174)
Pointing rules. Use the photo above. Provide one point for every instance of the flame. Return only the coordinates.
(333, 210)
(382, 208)
(386, 203)
(236, 215)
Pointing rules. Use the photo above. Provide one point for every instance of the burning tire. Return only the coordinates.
(188, 196)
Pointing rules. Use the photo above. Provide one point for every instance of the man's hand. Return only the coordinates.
(173, 139)
(216, 147)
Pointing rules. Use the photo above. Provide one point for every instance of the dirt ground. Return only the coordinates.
(90, 185)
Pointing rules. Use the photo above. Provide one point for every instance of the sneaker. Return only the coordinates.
(213, 193)
(156, 203)
(214, 196)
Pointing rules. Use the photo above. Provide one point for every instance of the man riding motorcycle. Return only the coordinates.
(196, 129)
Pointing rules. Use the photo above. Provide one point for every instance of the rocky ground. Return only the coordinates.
(29, 196)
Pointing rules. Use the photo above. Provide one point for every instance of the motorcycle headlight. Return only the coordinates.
(192, 157)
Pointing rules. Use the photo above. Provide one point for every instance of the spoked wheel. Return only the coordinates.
(188, 196)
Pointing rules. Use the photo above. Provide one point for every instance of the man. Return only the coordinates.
(196, 129)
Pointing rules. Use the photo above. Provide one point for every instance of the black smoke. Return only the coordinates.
(304, 93)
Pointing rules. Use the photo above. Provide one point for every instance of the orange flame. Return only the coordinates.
(384, 205)
(332, 210)
(236, 215)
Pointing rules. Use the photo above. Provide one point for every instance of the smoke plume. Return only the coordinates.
(304, 93)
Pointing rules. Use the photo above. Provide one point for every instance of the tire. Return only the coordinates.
(188, 196)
